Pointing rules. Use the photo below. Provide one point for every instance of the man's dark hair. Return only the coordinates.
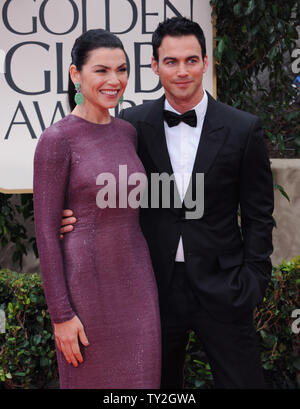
(177, 27)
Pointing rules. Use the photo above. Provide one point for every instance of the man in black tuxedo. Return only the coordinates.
(210, 272)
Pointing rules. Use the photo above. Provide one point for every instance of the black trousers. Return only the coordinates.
(232, 349)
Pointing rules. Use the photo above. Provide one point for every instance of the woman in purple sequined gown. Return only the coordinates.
(98, 281)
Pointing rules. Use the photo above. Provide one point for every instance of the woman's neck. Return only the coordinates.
(92, 115)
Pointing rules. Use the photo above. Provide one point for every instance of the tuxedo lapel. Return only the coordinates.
(154, 137)
(153, 132)
(213, 136)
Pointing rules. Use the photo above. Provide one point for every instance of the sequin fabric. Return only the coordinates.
(102, 270)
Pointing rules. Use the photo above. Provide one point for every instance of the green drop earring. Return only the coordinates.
(79, 98)
(121, 102)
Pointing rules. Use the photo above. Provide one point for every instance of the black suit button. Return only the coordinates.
(182, 215)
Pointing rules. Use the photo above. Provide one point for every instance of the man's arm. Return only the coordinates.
(257, 204)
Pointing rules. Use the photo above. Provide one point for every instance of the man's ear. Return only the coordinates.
(74, 73)
(205, 63)
(154, 66)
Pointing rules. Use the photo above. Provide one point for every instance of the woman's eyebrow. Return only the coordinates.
(104, 66)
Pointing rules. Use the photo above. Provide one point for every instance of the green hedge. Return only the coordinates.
(27, 351)
(255, 40)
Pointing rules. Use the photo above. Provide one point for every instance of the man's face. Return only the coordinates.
(180, 67)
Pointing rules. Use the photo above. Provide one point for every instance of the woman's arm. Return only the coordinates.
(51, 173)
(51, 170)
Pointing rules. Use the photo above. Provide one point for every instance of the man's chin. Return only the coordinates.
(183, 96)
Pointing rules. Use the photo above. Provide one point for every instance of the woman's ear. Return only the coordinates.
(74, 73)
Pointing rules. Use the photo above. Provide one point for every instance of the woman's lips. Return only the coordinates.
(110, 93)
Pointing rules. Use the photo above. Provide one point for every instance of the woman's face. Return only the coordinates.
(103, 78)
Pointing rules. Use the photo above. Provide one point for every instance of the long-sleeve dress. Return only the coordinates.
(102, 270)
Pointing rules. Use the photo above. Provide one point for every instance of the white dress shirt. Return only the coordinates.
(182, 142)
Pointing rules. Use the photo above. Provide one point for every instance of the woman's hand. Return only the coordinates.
(67, 222)
(66, 336)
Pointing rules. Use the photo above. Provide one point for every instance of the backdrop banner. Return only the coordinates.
(36, 37)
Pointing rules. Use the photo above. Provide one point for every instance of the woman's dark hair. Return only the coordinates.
(177, 27)
(88, 41)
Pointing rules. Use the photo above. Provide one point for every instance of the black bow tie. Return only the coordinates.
(174, 119)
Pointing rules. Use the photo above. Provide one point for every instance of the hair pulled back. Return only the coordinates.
(88, 41)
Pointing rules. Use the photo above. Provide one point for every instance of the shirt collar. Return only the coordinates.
(200, 108)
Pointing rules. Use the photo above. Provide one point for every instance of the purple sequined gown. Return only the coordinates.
(102, 270)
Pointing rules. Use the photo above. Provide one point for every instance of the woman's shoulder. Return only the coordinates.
(55, 136)
(56, 131)
(127, 126)
(126, 129)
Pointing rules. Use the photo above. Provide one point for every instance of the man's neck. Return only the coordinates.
(181, 105)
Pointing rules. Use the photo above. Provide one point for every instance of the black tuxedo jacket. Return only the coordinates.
(228, 263)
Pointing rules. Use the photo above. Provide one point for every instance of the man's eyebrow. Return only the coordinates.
(169, 58)
(187, 58)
